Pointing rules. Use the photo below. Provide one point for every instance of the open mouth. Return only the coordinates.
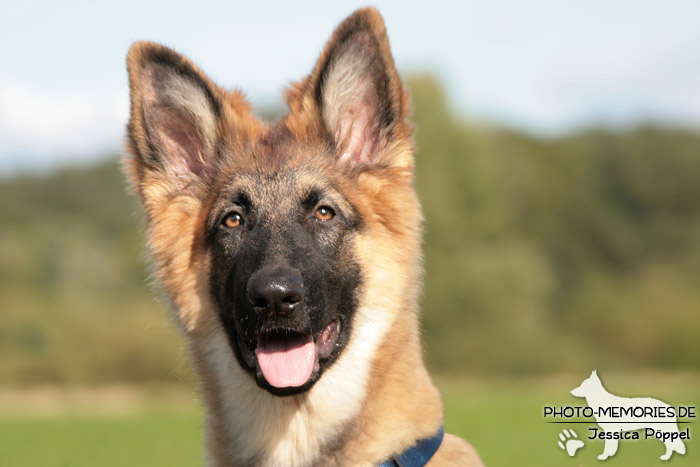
(287, 358)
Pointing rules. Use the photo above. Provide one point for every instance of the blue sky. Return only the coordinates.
(544, 66)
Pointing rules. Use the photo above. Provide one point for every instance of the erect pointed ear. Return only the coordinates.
(361, 99)
(175, 110)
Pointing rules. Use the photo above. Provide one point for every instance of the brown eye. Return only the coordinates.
(233, 220)
(324, 213)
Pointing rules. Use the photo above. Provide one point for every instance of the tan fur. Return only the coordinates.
(377, 399)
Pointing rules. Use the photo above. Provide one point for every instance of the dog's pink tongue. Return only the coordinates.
(286, 360)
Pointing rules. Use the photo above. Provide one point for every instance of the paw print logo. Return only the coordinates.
(569, 442)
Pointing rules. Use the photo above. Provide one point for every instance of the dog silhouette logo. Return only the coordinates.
(622, 417)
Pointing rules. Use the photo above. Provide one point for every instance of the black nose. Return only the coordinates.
(275, 292)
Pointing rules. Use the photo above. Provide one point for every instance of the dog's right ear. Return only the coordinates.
(175, 116)
(356, 95)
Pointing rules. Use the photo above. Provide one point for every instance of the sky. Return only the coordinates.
(547, 67)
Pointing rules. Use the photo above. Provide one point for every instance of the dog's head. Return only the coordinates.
(588, 386)
(273, 233)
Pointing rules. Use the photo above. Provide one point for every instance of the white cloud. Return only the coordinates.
(552, 66)
(44, 128)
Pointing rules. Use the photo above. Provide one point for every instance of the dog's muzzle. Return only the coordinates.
(284, 350)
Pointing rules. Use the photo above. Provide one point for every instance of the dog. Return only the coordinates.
(291, 255)
(608, 411)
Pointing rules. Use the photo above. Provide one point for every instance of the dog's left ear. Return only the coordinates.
(360, 98)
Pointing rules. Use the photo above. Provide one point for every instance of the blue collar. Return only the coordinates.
(417, 455)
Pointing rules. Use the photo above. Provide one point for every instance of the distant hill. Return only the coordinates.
(541, 256)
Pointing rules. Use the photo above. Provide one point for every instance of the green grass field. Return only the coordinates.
(502, 419)
(148, 439)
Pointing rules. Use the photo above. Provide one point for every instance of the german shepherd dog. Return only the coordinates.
(291, 254)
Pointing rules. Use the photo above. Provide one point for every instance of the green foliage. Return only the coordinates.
(75, 306)
(570, 253)
(541, 255)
